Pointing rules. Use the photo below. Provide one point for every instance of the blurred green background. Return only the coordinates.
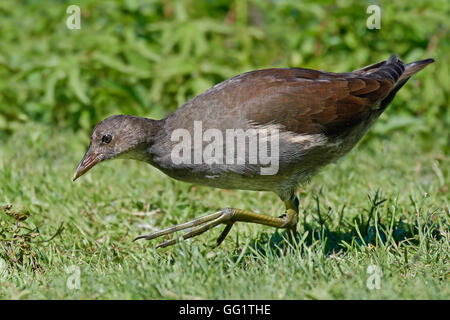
(147, 58)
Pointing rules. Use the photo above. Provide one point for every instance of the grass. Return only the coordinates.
(384, 205)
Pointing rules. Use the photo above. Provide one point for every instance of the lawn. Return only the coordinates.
(372, 226)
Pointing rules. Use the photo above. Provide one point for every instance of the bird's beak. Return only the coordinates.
(89, 160)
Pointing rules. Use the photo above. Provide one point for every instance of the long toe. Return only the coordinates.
(226, 216)
(180, 227)
(194, 232)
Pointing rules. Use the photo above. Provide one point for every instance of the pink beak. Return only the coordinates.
(89, 160)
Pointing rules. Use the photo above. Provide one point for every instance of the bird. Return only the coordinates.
(263, 130)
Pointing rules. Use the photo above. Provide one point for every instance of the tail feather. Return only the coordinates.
(396, 70)
(409, 70)
(414, 67)
(391, 68)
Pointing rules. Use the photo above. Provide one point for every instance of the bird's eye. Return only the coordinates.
(106, 138)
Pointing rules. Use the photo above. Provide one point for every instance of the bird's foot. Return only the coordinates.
(226, 216)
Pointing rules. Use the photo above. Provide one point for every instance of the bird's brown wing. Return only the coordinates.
(303, 101)
(308, 101)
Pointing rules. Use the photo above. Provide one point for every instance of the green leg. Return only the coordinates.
(292, 205)
(228, 217)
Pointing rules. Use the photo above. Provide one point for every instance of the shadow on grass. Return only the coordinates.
(370, 229)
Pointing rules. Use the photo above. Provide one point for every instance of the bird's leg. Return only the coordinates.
(228, 217)
(292, 204)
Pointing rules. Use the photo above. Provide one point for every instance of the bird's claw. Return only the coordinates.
(197, 226)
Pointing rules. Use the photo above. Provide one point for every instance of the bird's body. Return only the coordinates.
(318, 117)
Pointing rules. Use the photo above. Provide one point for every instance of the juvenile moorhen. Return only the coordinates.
(315, 116)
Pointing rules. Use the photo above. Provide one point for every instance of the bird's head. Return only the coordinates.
(117, 136)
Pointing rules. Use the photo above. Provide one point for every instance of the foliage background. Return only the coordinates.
(148, 57)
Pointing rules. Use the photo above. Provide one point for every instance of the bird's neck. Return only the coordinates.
(145, 134)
